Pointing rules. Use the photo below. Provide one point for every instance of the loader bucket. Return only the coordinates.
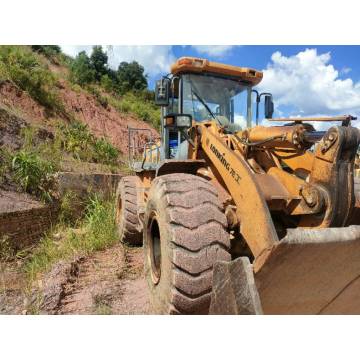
(310, 271)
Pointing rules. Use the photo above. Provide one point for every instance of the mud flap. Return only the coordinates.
(310, 271)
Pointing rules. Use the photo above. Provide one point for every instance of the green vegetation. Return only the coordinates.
(33, 166)
(138, 104)
(23, 67)
(5, 163)
(124, 88)
(48, 50)
(6, 250)
(81, 70)
(78, 140)
(85, 70)
(99, 61)
(104, 152)
(33, 174)
(97, 231)
(101, 99)
(131, 77)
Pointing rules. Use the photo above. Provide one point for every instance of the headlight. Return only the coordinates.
(183, 121)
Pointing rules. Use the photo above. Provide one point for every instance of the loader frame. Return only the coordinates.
(287, 193)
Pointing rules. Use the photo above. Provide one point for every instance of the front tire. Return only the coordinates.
(127, 210)
(184, 235)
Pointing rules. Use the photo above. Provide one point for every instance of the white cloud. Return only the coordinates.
(309, 84)
(240, 120)
(213, 50)
(156, 59)
(345, 70)
(73, 50)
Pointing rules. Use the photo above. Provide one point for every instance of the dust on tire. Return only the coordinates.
(193, 236)
(127, 207)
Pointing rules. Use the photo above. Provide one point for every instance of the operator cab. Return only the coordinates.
(202, 90)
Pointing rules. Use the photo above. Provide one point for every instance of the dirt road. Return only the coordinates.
(107, 282)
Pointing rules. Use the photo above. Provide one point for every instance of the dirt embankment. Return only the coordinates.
(102, 121)
(107, 282)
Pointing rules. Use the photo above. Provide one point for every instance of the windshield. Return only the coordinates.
(210, 97)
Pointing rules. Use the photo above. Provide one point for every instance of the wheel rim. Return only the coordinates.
(154, 254)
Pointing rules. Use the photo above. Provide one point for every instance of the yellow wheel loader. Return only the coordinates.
(242, 219)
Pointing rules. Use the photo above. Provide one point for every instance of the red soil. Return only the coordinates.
(103, 122)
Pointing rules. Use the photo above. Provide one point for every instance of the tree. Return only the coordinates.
(131, 77)
(82, 71)
(99, 61)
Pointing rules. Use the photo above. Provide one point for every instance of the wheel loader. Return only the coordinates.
(242, 218)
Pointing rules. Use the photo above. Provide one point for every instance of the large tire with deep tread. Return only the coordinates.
(127, 210)
(185, 220)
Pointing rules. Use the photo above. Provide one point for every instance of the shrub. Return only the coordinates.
(33, 174)
(78, 140)
(70, 206)
(107, 83)
(105, 152)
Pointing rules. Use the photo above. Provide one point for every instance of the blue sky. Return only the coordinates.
(305, 80)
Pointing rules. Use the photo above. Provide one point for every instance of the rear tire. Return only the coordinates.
(127, 210)
(184, 235)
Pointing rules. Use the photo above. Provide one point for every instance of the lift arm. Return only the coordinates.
(256, 225)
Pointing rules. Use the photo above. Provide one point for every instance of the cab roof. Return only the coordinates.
(186, 65)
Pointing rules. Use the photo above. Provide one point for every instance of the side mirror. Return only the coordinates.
(178, 120)
(162, 92)
(269, 107)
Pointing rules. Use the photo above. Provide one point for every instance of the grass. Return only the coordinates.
(97, 231)
(25, 68)
(6, 250)
(102, 305)
(138, 104)
(33, 167)
(78, 140)
(69, 206)
(101, 99)
(33, 174)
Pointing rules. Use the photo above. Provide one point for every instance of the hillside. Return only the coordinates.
(54, 124)
(37, 88)
(53, 120)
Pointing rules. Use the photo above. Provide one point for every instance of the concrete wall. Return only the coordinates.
(84, 184)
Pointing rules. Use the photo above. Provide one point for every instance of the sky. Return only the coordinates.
(304, 80)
